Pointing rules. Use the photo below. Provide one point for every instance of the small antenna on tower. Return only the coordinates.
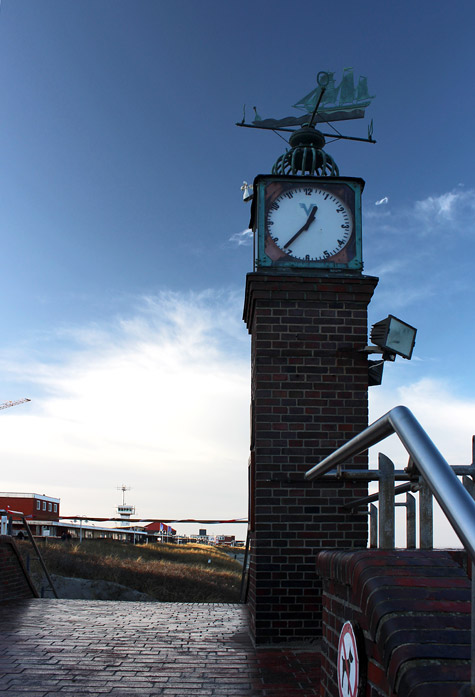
(123, 489)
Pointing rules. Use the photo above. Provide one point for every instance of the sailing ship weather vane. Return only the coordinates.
(325, 104)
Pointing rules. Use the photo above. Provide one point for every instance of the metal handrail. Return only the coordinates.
(9, 512)
(455, 501)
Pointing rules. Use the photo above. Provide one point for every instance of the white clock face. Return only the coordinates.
(309, 223)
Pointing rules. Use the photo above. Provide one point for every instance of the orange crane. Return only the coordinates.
(5, 405)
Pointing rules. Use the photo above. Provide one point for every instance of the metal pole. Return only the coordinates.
(426, 517)
(373, 526)
(401, 489)
(386, 502)
(3, 525)
(373, 475)
(410, 505)
(469, 485)
(410, 521)
(40, 558)
(245, 571)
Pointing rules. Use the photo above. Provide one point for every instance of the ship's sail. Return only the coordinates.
(330, 96)
(338, 103)
(308, 102)
(362, 93)
(345, 91)
(331, 92)
(347, 87)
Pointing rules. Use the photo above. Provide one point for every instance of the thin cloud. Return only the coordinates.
(382, 201)
(420, 245)
(158, 399)
(388, 267)
(242, 238)
(415, 294)
(457, 204)
(376, 213)
(448, 420)
(455, 208)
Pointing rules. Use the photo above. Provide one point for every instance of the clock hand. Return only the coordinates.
(304, 227)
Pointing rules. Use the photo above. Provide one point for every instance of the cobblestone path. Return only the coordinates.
(135, 649)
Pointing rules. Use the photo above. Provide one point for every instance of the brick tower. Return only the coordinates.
(306, 310)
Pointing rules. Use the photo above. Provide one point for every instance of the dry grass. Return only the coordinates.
(166, 572)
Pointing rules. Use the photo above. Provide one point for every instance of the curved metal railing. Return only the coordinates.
(455, 501)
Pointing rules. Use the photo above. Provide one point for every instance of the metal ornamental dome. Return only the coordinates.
(306, 156)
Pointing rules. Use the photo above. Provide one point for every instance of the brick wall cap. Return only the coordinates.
(342, 565)
(433, 586)
(308, 285)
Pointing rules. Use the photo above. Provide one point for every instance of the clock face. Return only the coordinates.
(309, 223)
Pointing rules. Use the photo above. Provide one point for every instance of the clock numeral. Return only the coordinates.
(274, 206)
(307, 257)
(340, 209)
(289, 194)
(340, 242)
(326, 253)
(346, 226)
(270, 222)
(276, 239)
(308, 192)
(290, 252)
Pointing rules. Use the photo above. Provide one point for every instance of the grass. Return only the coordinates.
(166, 572)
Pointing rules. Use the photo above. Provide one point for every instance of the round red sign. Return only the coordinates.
(348, 662)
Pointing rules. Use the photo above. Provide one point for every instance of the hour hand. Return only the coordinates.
(304, 227)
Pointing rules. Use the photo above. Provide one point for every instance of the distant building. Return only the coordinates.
(42, 514)
(35, 506)
(125, 511)
(160, 529)
(225, 539)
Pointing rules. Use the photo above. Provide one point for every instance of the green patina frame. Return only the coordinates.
(268, 187)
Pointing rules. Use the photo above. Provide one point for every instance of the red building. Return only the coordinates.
(160, 528)
(32, 506)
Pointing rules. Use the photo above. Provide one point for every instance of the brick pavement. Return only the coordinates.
(83, 647)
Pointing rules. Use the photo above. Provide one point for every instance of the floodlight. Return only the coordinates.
(394, 336)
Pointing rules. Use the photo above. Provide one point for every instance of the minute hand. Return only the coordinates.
(304, 227)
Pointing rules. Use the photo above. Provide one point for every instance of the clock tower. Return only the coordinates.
(306, 310)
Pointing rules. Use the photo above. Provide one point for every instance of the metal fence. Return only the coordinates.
(427, 472)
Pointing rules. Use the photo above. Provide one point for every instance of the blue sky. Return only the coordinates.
(121, 213)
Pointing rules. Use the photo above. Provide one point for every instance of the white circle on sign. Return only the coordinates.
(348, 668)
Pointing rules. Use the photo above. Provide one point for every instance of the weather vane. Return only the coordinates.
(326, 103)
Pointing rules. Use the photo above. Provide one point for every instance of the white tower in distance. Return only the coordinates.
(125, 510)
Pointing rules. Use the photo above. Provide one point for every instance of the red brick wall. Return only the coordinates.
(27, 506)
(413, 608)
(15, 582)
(309, 396)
